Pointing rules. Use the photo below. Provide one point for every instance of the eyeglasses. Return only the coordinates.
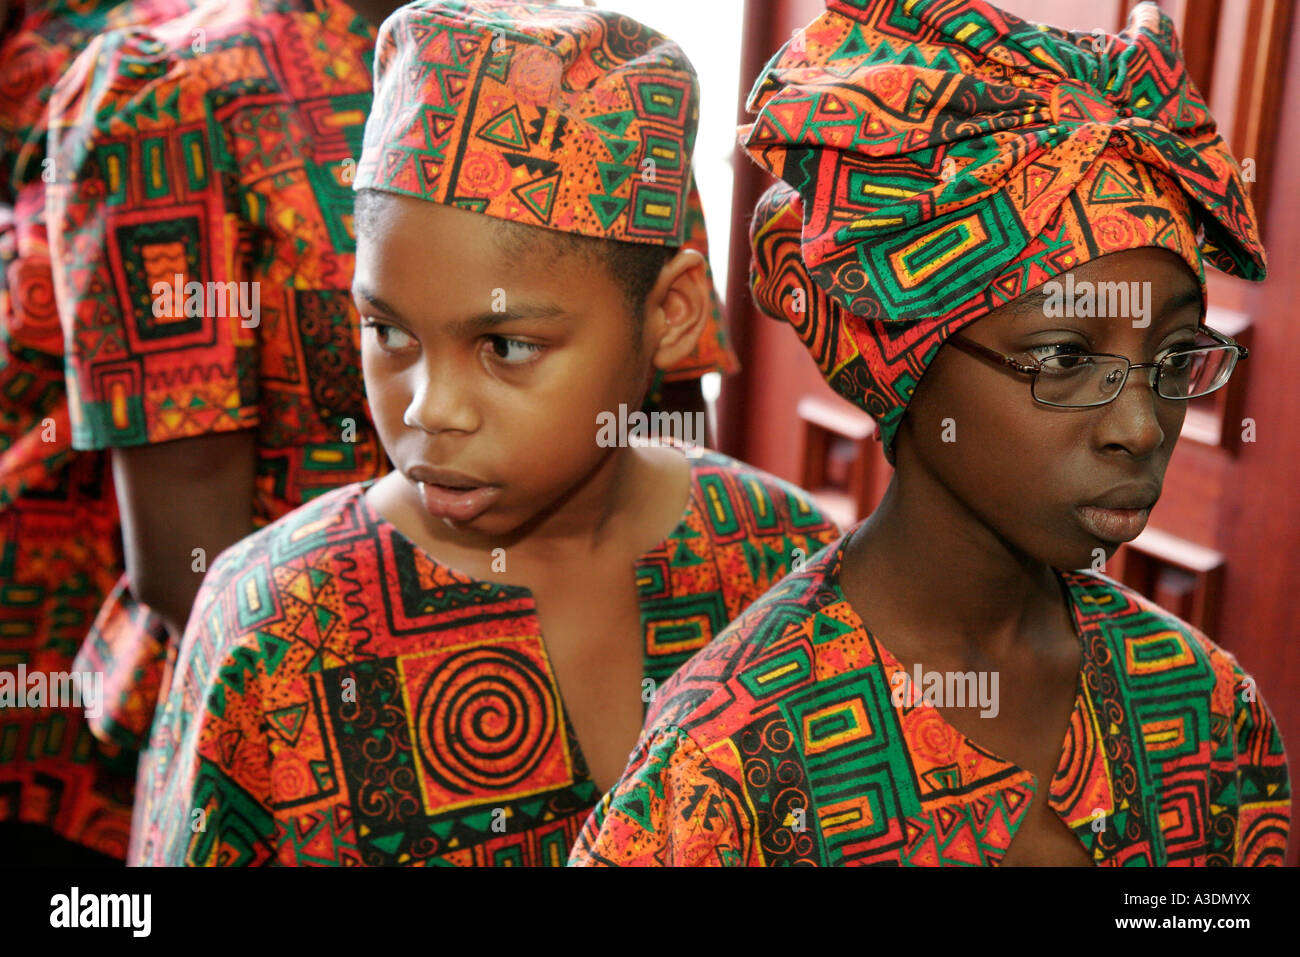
(1078, 381)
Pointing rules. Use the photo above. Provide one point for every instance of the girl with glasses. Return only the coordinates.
(942, 685)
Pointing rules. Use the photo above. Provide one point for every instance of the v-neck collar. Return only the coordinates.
(1083, 781)
(643, 578)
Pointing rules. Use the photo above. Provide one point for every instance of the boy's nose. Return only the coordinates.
(440, 403)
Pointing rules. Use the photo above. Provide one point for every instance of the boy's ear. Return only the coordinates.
(677, 308)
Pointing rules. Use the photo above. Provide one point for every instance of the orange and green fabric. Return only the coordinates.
(573, 119)
(784, 743)
(60, 551)
(542, 115)
(948, 158)
(342, 698)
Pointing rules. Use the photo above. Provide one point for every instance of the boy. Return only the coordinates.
(939, 687)
(219, 421)
(366, 681)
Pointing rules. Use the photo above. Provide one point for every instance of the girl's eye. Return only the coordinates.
(1053, 349)
(513, 351)
(1176, 348)
(390, 337)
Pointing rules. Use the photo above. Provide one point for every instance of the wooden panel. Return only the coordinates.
(1254, 126)
(1185, 578)
(1216, 419)
(837, 460)
(757, 418)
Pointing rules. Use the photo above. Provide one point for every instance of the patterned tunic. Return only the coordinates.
(782, 743)
(342, 698)
(59, 536)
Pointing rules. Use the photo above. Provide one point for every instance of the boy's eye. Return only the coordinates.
(513, 351)
(390, 337)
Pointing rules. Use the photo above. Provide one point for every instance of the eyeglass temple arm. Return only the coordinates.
(977, 349)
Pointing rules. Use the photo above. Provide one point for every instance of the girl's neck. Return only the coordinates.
(924, 567)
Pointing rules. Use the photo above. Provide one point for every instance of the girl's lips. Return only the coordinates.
(1113, 524)
(457, 504)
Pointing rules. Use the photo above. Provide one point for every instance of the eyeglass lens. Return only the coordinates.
(1079, 380)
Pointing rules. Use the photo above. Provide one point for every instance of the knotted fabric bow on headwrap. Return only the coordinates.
(946, 157)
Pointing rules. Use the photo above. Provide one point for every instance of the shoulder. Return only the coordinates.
(1155, 638)
(1160, 652)
(246, 587)
(686, 796)
(1178, 672)
(728, 484)
(672, 807)
(134, 55)
(130, 81)
(309, 527)
(710, 694)
(170, 71)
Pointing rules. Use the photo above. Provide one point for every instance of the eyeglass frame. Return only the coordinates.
(975, 348)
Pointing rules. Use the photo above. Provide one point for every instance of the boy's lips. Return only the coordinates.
(447, 494)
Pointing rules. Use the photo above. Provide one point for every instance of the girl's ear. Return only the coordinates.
(677, 308)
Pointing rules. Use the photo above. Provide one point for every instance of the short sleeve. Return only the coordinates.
(158, 308)
(127, 643)
(671, 808)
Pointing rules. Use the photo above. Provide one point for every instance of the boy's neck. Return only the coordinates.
(635, 495)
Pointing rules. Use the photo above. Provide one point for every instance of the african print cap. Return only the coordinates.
(944, 158)
(575, 119)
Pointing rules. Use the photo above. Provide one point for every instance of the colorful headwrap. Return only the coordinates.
(947, 157)
(579, 120)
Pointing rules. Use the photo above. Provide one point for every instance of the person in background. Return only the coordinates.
(65, 798)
